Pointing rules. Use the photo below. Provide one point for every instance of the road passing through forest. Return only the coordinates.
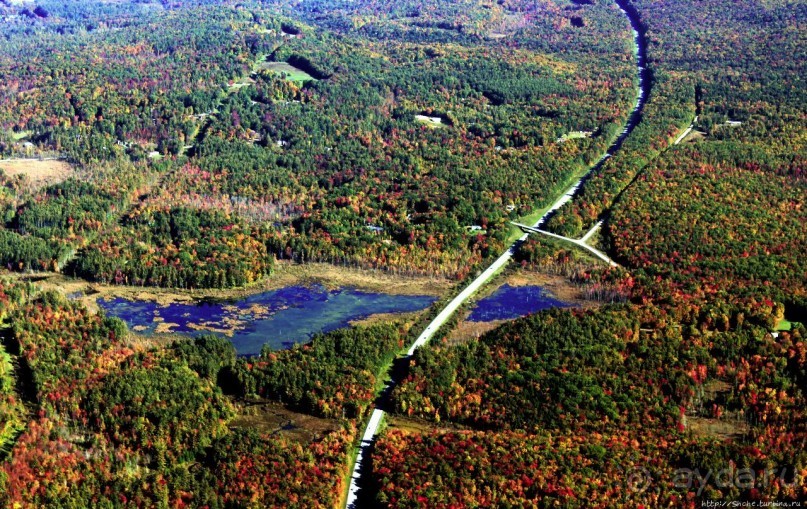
(376, 418)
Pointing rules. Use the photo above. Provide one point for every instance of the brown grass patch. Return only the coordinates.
(722, 429)
(331, 276)
(382, 318)
(728, 427)
(268, 417)
(470, 331)
(38, 173)
(508, 26)
(419, 426)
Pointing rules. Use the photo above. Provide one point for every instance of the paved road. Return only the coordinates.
(592, 231)
(582, 242)
(377, 416)
(686, 133)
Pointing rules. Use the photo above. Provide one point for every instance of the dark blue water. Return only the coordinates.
(278, 318)
(510, 302)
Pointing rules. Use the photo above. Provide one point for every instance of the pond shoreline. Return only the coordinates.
(286, 274)
(278, 318)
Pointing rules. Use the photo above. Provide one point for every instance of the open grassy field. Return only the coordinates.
(415, 425)
(785, 325)
(429, 121)
(238, 85)
(574, 135)
(273, 418)
(40, 173)
(695, 136)
(292, 73)
(20, 135)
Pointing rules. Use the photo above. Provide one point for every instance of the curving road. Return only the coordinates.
(371, 431)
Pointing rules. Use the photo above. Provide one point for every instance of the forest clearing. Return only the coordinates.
(39, 173)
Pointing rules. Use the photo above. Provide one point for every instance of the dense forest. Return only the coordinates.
(702, 369)
(335, 375)
(404, 144)
(104, 422)
(202, 144)
(753, 101)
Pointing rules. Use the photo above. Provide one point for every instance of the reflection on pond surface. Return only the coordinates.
(278, 318)
(510, 302)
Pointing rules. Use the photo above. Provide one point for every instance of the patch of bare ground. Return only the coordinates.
(470, 331)
(510, 23)
(382, 318)
(39, 173)
(731, 426)
(269, 417)
(419, 426)
(725, 428)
